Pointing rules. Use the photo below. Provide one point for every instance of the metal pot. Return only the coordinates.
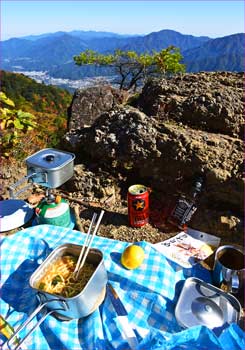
(65, 309)
(50, 167)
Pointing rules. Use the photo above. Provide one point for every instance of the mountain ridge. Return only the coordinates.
(54, 53)
(152, 41)
(216, 51)
(87, 34)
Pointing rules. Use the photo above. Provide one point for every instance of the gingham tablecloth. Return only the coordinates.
(149, 293)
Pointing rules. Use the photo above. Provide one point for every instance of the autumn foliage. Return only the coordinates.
(32, 115)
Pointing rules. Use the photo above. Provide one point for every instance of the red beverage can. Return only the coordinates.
(138, 205)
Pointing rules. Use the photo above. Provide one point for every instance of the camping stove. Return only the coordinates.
(50, 168)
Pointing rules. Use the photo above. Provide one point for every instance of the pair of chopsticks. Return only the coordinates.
(87, 244)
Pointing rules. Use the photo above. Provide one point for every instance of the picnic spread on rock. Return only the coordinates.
(79, 290)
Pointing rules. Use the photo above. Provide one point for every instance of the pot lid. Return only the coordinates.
(14, 213)
(49, 158)
(207, 312)
(201, 303)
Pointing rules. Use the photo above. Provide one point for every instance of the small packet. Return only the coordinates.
(188, 248)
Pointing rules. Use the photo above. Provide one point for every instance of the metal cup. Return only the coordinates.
(229, 268)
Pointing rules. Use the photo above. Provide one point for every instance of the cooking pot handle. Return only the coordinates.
(13, 187)
(28, 320)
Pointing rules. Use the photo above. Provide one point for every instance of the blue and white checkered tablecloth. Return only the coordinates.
(149, 293)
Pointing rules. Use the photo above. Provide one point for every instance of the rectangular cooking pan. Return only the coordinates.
(82, 304)
(78, 306)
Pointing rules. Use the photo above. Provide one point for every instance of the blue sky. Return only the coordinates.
(210, 18)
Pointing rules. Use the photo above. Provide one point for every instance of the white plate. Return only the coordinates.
(14, 213)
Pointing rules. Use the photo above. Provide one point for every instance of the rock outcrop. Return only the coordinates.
(89, 103)
(211, 102)
(126, 140)
(181, 127)
(91, 186)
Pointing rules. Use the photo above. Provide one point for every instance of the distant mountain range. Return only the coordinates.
(53, 52)
(226, 54)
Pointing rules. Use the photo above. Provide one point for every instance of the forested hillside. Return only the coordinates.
(217, 54)
(47, 105)
(31, 96)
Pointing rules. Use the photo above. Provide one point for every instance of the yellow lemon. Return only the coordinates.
(132, 257)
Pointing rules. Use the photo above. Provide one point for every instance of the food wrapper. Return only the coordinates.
(188, 248)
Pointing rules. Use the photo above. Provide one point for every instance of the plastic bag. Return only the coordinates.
(195, 338)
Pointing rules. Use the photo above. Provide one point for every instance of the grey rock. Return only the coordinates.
(89, 103)
(89, 184)
(193, 103)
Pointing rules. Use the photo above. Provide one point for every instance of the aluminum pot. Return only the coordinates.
(65, 309)
(50, 167)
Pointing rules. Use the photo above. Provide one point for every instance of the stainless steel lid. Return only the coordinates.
(50, 158)
(207, 312)
(201, 303)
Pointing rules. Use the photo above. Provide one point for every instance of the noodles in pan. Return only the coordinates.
(58, 277)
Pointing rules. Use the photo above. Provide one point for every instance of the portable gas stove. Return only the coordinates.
(49, 168)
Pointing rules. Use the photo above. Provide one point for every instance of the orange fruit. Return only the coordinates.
(132, 257)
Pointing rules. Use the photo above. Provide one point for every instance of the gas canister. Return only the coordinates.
(138, 205)
(55, 213)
